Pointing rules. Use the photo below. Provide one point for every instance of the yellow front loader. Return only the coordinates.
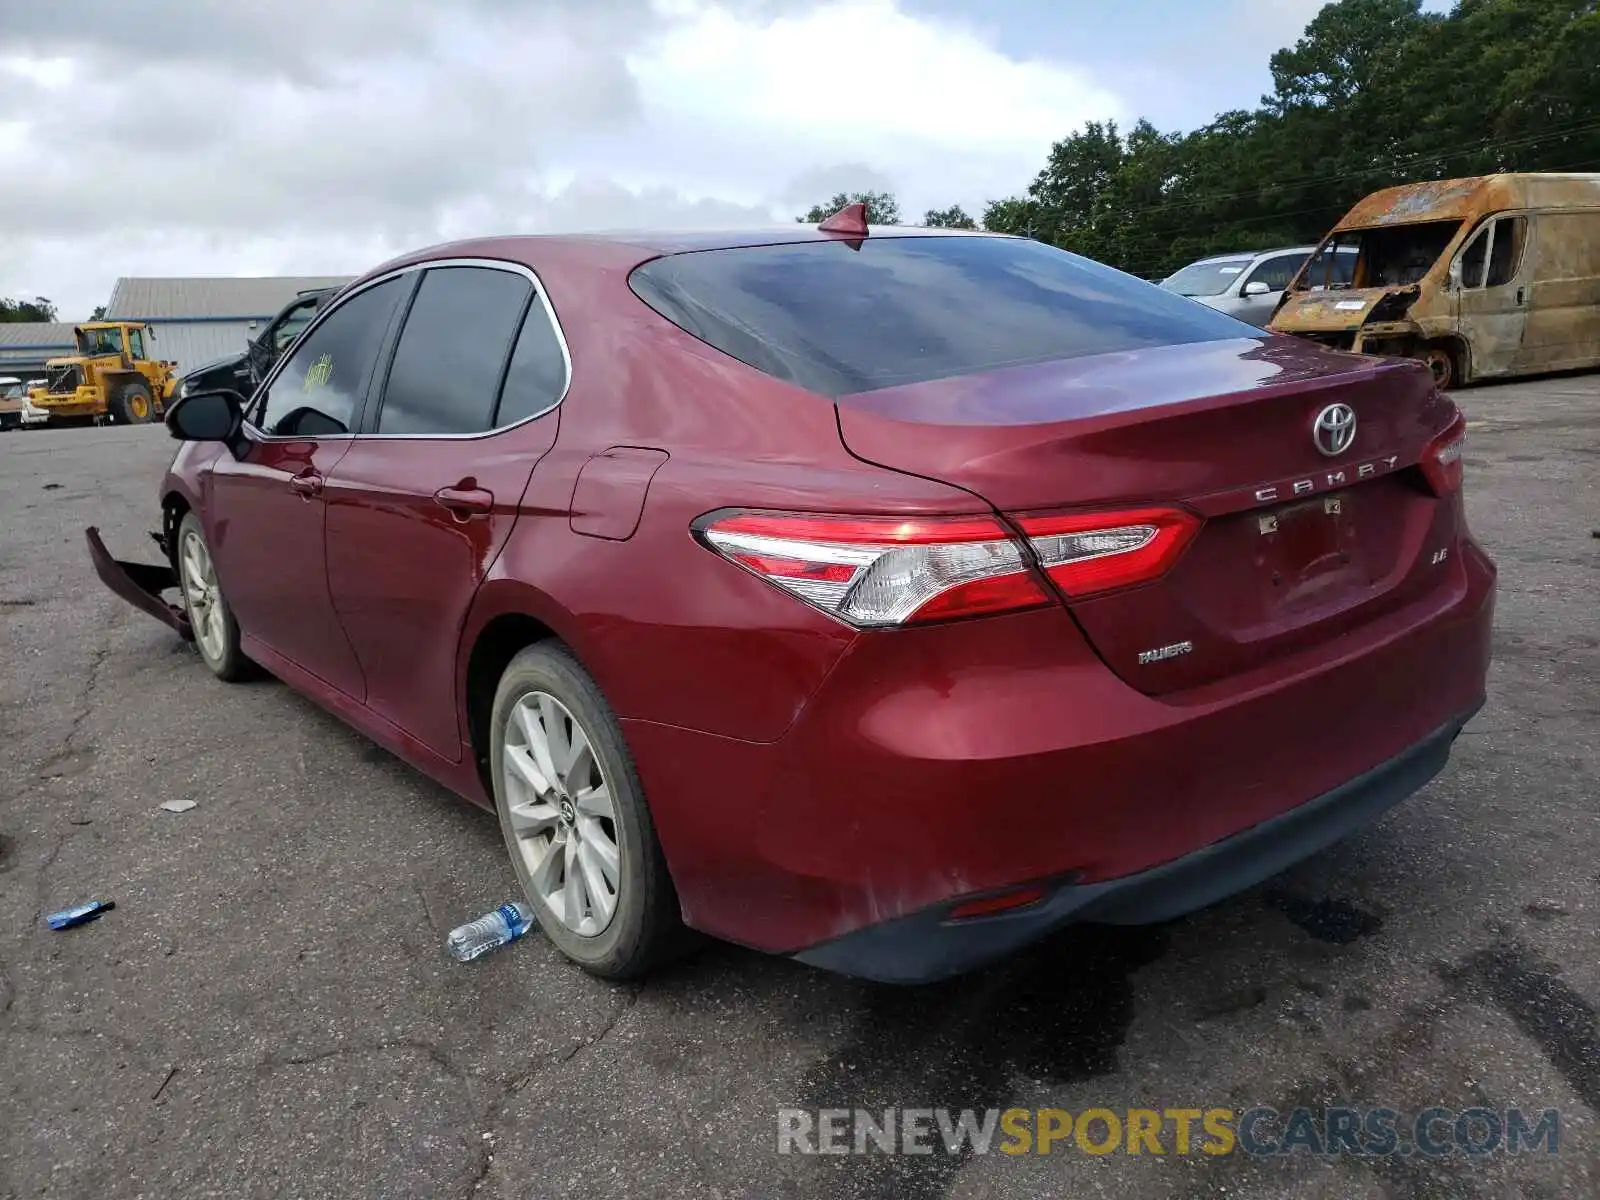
(110, 378)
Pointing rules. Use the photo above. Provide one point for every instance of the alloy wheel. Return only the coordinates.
(203, 596)
(561, 813)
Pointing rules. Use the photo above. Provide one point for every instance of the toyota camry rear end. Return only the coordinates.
(1081, 602)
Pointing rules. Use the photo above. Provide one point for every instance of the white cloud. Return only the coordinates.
(862, 75)
(321, 136)
(929, 109)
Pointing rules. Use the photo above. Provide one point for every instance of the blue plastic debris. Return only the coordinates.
(79, 913)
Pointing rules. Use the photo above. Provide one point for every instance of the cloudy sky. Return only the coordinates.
(210, 137)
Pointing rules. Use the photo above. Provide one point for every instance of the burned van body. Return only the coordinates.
(1493, 276)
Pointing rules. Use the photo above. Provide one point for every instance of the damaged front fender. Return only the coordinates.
(1393, 305)
(140, 584)
(1342, 311)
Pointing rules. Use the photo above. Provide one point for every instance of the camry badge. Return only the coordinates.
(1334, 429)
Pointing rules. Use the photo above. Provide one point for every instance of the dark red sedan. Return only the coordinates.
(884, 598)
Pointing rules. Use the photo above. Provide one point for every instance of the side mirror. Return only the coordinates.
(1256, 288)
(213, 415)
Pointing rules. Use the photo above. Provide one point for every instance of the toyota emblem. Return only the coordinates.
(1334, 429)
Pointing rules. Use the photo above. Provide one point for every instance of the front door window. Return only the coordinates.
(1494, 255)
(317, 392)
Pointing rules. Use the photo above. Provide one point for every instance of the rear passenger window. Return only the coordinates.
(538, 373)
(1276, 272)
(446, 369)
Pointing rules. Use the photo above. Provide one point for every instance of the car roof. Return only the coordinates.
(1242, 256)
(624, 248)
(680, 241)
(1252, 255)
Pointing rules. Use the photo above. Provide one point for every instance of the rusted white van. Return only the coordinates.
(1488, 277)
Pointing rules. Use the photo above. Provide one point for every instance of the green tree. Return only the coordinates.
(37, 309)
(882, 208)
(1016, 215)
(1351, 51)
(1374, 93)
(954, 217)
(99, 313)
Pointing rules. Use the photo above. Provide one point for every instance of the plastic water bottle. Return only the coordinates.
(505, 924)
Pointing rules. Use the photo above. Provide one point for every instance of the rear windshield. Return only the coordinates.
(1206, 278)
(839, 316)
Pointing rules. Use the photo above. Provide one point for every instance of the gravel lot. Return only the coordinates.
(268, 1011)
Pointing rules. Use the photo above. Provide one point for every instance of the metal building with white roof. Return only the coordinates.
(199, 320)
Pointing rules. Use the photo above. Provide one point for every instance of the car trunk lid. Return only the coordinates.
(1297, 545)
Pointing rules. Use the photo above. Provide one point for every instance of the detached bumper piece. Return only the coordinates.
(140, 584)
(929, 946)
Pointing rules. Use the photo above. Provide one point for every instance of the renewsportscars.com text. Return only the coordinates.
(1260, 1132)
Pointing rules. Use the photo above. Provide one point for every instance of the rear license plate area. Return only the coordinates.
(1304, 546)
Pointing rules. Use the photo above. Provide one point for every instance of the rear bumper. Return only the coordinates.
(140, 584)
(957, 761)
(926, 946)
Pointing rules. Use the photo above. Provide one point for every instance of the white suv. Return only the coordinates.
(1248, 285)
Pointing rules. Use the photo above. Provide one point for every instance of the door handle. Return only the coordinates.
(465, 502)
(1519, 295)
(307, 484)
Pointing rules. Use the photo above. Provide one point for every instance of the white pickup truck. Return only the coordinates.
(15, 409)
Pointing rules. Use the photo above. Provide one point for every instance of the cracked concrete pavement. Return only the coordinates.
(269, 1011)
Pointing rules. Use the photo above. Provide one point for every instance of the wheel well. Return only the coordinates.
(173, 509)
(1458, 350)
(501, 640)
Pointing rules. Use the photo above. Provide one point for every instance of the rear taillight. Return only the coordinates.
(1085, 553)
(1441, 461)
(880, 571)
(874, 572)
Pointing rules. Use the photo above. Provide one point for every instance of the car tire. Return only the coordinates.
(216, 633)
(1445, 364)
(132, 405)
(561, 838)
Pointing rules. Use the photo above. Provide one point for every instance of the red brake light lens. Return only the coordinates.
(1087, 553)
(876, 572)
(1441, 461)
